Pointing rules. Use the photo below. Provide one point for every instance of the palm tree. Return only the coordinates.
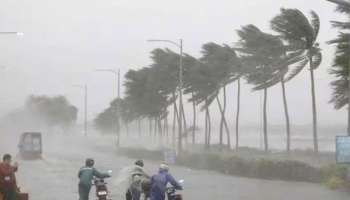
(223, 60)
(341, 3)
(340, 68)
(301, 34)
(262, 55)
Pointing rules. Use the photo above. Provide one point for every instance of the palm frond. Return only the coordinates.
(296, 69)
(315, 22)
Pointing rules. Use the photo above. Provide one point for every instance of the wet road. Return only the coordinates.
(55, 177)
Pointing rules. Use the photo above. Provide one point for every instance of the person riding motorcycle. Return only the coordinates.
(8, 184)
(137, 177)
(86, 175)
(160, 181)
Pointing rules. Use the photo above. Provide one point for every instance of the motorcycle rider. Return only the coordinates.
(8, 184)
(160, 181)
(86, 174)
(135, 183)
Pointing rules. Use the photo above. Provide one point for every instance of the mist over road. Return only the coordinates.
(55, 177)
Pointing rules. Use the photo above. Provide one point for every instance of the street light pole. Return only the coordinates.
(117, 92)
(180, 46)
(84, 88)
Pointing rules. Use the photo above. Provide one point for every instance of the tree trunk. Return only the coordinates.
(238, 110)
(155, 128)
(221, 125)
(266, 144)
(175, 120)
(194, 121)
(166, 131)
(185, 133)
(228, 134)
(127, 128)
(206, 128)
(225, 123)
(139, 126)
(286, 113)
(160, 130)
(150, 127)
(209, 127)
(314, 111)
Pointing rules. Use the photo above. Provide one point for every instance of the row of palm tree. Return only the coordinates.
(262, 59)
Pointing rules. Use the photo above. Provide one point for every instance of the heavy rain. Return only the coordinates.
(164, 99)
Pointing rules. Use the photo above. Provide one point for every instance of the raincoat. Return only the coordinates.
(137, 175)
(159, 183)
(86, 174)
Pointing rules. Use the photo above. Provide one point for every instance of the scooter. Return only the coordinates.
(172, 194)
(102, 192)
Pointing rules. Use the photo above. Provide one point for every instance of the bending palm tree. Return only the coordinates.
(301, 36)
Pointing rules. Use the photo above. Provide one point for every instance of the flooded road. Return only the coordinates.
(55, 177)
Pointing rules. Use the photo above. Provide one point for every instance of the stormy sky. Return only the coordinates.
(65, 41)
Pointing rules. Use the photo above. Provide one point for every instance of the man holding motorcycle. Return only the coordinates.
(86, 175)
(159, 183)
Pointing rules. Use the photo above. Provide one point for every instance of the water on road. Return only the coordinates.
(55, 177)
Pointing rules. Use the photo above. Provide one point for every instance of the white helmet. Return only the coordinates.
(164, 167)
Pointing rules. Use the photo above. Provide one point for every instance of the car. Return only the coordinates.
(30, 145)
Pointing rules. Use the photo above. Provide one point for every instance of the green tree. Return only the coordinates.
(52, 111)
(340, 68)
(262, 55)
(301, 34)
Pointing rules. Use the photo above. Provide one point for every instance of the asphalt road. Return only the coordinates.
(55, 177)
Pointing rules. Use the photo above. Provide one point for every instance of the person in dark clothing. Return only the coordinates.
(86, 175)
(8, 184)
(160, 181)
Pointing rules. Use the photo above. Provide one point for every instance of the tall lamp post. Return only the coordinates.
(84, 88)
(180, 46)
(117, 85)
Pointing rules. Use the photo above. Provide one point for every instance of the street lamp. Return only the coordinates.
(180, 46)
(11, 33)
(117, 78)
(84, 88)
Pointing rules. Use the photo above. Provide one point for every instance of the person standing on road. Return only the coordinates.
(160, 181)
(8, 184)
(86, 175)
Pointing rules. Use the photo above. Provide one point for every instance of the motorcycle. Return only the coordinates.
(102, 192)
(172, 193)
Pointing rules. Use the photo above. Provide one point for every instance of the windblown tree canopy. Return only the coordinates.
(300, 35)
(262, 57)
(340, 68)
(53, 111)
(106, 121)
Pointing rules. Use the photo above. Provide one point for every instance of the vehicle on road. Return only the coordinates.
(102, 192)
(30, 145)
(172, 193)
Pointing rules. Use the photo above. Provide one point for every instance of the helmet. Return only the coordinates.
(164, 167)
(89, 162)
(139, 163)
